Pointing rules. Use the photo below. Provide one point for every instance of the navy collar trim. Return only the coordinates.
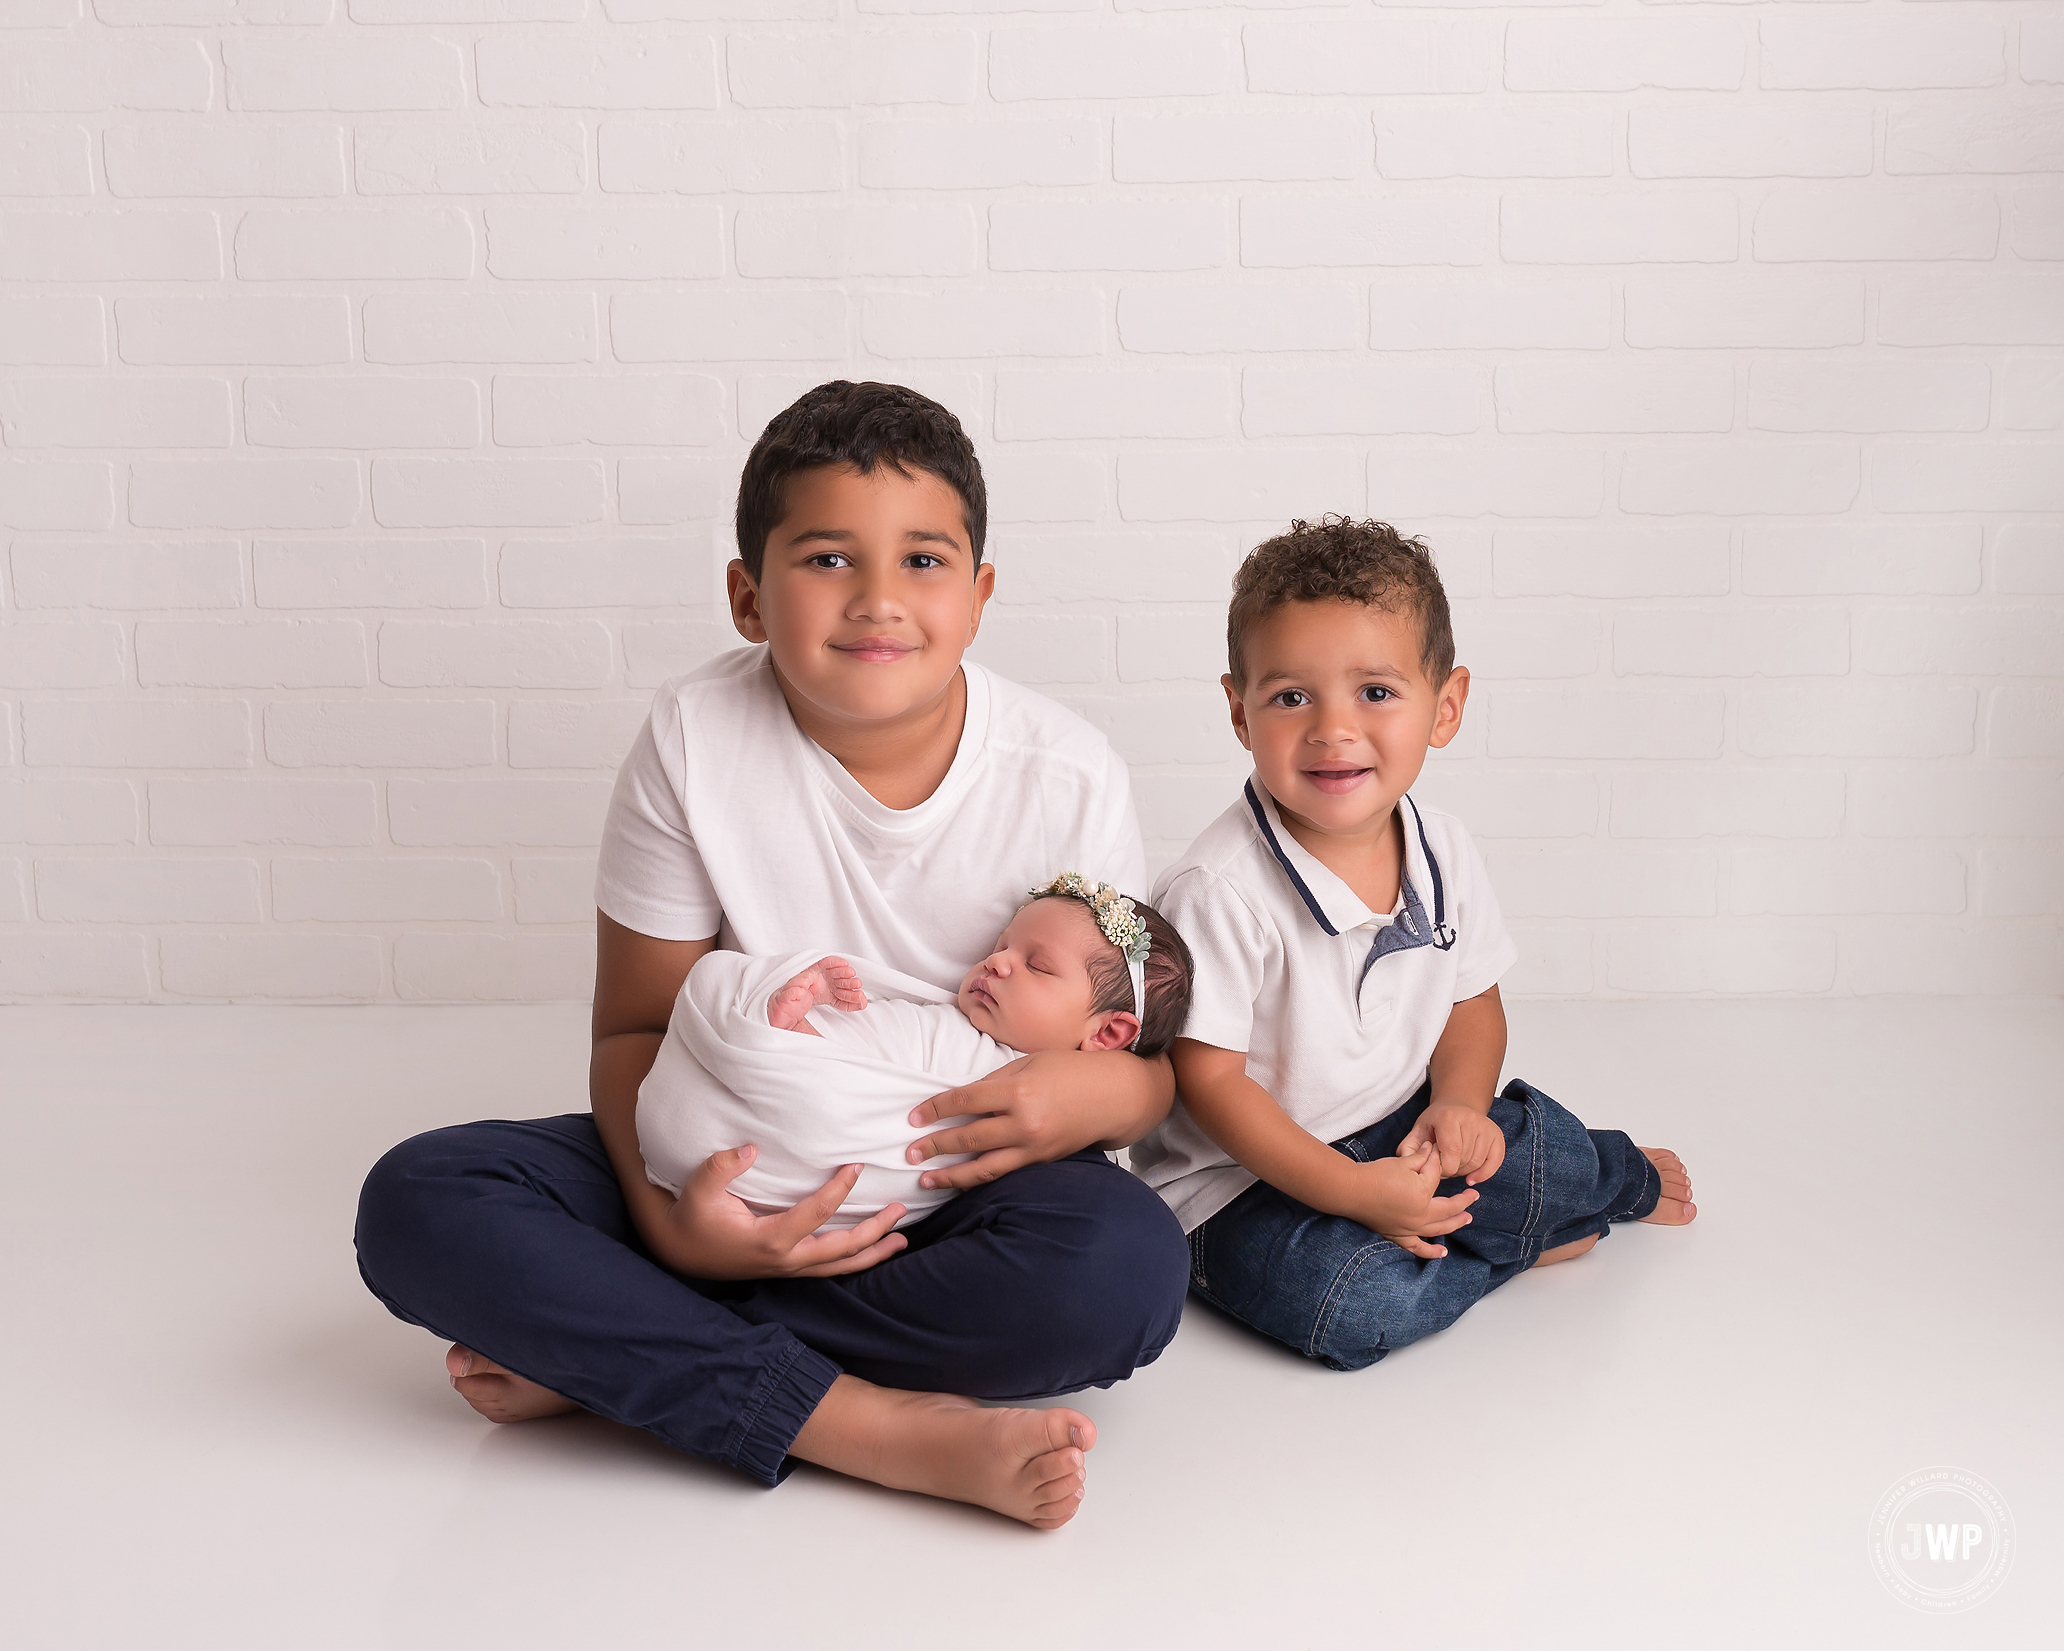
(1441, 936)
(1303, 889)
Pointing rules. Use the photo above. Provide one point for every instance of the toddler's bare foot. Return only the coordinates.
(1566, 1252)
(830, 980)
(1026, 1464)
(1674, 1208)
(501, 1395)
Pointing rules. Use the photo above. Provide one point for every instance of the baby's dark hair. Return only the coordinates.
(861, 425)
(1338, 559)
(1170, 974)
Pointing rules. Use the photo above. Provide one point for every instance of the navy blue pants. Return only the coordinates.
(513, 1238)
(1339, 1293)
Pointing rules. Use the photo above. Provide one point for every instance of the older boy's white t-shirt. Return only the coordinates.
(728, 820)
(1337, 1008)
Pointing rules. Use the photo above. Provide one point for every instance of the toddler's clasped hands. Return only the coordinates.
(1401, 1200)
(1470, 1145)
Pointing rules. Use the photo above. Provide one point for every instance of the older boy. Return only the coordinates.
(846, 782)
(1338, 1071)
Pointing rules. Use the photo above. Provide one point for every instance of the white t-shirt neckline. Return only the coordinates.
(874, 816)
(728, 821)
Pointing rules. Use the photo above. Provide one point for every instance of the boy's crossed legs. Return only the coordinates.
(1337, 1292)
(1026, 1463)
(511, 1237)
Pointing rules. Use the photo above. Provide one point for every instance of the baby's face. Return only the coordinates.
(1033, 991)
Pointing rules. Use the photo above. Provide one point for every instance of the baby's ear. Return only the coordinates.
(1115, 1030)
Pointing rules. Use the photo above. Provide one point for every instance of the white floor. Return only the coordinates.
(216, 1438)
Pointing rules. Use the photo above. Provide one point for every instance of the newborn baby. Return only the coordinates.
(819, 1063)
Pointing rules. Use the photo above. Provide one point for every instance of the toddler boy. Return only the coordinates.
(1337, 1074)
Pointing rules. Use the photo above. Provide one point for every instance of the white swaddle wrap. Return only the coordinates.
(724, 1077)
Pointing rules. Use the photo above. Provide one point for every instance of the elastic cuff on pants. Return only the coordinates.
(780, 1404)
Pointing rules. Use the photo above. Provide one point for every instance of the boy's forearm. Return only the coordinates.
(1470, 1054)
(1249, 1126)
(616, 1067)
(637, 978)
(1138, 1101)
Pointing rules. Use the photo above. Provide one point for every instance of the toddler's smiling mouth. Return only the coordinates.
(1337, 782)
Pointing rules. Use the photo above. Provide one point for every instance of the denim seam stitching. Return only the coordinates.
(1336, 1293)
(1538, 1183)
(1648, 1171)
(1537, 1174)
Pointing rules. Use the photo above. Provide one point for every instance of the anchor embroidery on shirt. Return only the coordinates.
(1403, 935)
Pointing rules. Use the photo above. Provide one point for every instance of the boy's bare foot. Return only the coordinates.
(1026, 1464)
(1674, 1208)
(1566, 1252)
(501, 1395)
(830, 980)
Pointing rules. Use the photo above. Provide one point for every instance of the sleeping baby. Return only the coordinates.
(819, 1062)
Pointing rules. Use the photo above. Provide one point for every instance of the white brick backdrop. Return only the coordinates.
(377, 375)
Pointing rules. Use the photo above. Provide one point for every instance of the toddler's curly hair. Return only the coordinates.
(1338, 559)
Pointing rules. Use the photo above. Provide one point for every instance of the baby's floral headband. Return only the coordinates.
(1121, 923)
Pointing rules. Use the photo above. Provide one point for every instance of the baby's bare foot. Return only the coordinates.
(501, 1395)
(830, 980)
(1026, 1464)
(1674, 1208)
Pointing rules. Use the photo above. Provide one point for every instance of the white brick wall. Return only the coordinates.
(374, 376)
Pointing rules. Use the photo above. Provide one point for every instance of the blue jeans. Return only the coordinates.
(513, 1238)
(1346, 1296)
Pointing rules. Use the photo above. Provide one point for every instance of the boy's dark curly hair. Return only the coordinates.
(861, 425)
(1170, 975)
(1338, 559)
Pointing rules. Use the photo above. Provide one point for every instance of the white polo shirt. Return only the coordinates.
(728, 820)
(1337, 1008)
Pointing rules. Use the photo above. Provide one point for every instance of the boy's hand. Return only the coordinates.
(1401, 1200)
(1469, 1144)
(711, 1233)
(1018, 1115)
